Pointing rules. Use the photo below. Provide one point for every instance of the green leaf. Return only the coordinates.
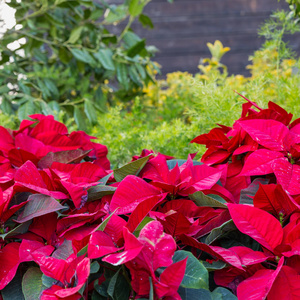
(204, 200)
(118, 287)
(145, 221)
(22, 228)
(45, 108)
(134, 75)
(45, 90)
(137, 48)
(141, 71)
(215, 265)
(90, 111)
(75, 34)
(32, 284)
(97, 192)
(104, 56)
(6, 106)
(194, 294)
(95, 267)
(115, 14)
(47, 281)
(145, 21)
(100, 100)
(196, 275)
(4, 89)
(84, 56)
(130, 39)
(64, 55)
(54, 105)
(122, 75)
(222, 294)
(172, 163)
(220, 231)
(133, 168)
(51, 86)
(135, 7)
(13, 291)
(151, 292)
(25, 110)
(79, 118)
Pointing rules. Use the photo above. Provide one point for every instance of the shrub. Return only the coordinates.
(74, 56)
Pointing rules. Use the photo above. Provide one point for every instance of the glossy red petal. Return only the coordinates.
(268, 133)
(259, 285)
(260, 162)
(131, 191)
(258, 224)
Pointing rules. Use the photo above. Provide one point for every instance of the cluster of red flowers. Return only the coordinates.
(88, 232)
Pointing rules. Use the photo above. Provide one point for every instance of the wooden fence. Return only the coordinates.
(182, 29)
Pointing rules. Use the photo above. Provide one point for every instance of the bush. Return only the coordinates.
(74, 56)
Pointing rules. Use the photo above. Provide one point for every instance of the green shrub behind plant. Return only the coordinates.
(74, 56)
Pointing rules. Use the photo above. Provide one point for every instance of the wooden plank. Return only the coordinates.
(236, 63)
(202, 26)
(193, 44)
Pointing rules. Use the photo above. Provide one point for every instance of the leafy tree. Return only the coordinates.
(74, 56)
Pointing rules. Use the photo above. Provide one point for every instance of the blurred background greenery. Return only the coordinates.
(73, 61)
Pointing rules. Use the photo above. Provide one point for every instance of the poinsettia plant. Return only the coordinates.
(158, 227)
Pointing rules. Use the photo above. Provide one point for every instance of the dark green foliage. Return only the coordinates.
(74, 56)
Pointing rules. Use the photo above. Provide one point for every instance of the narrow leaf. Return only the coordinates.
(203, 200)
(133, 168)
(39, 205)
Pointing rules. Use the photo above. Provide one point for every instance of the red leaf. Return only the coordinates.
(286, 285)
(215, 137)
(78, 194)
(131, 191)
(39, 205)
(132, 249)
(268, 133)
(18, 157)
(159, 246)
(82, 273)
(248, 256)
(260, 162)
(9, 262)
(223, 254)
(258, 224)
(170, 279)
(100, 244)
(48, 124)
(142, 210)
(29, 177)
(287, 175)
(272, 198)
(259, 285)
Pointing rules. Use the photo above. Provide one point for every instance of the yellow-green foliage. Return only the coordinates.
(175, 110)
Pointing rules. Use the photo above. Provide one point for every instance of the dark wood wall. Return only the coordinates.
(182, 29)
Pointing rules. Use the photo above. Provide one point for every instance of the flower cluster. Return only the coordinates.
(72, 228)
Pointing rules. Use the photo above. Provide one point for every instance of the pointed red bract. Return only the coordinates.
(130, 192)
(260, 162)
(170, 279)
(268, 133)
(259, 285)
(258, 224)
